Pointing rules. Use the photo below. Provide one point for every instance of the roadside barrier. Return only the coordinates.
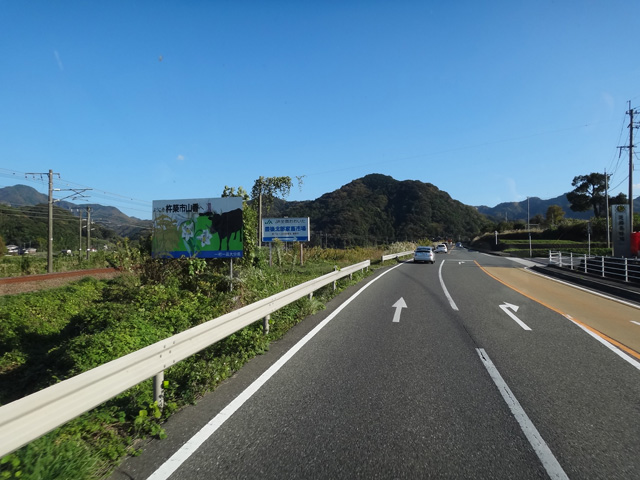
(625, 269)
(31, 417)
(396, 255)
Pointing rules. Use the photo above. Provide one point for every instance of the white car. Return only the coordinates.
(424, 254)
(442, 248)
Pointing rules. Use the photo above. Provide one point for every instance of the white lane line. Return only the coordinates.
(549, 462)
(178, 458)
(444, 288)
(610, 346)
(633, 321)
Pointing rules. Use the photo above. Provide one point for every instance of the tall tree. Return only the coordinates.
(589, 192)
(264, 191)
(554, 214)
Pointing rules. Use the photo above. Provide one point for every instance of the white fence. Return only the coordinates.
(31, 417)
(625, 269)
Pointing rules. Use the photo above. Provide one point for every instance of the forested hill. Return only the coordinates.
(380, 209)
(535, 206)
(22, 197)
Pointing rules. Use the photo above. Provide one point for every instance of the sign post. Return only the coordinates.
(286, 230)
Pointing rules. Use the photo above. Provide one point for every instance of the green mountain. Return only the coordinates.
(27, 226)
(378, 209)
(512, 211)
(107, 218)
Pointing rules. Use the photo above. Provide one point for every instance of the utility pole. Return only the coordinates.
(529, 228)
(50, 243)
(88, 231)
(260, 218)
(631, 127)
(80, 234)
(606, 198)
(50, 229)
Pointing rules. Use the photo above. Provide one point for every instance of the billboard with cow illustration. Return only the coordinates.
(200, 227)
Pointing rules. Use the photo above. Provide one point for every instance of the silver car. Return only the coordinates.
(424, 254)
(441, 248)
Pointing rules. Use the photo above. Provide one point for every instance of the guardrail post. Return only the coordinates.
(335, 283)
(549, 256)
(265, 324)
(626, 270)
(158, 393)
(560, 259)
(570, 260)
(602, 267)
(586, 270)
(311, 296)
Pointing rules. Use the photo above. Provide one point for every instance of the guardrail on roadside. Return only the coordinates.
(396, 255)
(31, 417)
(624, 269)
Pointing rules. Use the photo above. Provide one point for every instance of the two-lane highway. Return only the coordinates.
(450, 385)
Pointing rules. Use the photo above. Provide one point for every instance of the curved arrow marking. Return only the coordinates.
(399, 305)
(505, 308)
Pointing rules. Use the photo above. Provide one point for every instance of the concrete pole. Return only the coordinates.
(630, 167)
(88, 231)
(80, 234)
(50, 230)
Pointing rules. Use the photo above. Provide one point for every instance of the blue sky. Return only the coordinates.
(489, 101)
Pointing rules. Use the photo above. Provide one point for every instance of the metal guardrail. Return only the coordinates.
(31, 417)
(625, 269)
(396, 255)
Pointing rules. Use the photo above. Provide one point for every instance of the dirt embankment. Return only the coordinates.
(32, 283)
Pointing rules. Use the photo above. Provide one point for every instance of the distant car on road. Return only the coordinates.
(459, 245)
(424, 254)
(442, 248)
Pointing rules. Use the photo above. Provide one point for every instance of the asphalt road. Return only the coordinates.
(472, 380)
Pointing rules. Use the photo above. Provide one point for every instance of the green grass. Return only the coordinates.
(51, 335)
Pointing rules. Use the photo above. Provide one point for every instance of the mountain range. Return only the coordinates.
(107, 216)
(511, 211)
(372, 209)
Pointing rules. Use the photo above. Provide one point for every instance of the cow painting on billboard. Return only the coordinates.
(202, 228)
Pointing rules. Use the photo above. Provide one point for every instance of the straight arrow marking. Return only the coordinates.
(505, 308)
(399, 305)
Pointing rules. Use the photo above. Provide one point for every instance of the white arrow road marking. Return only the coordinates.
(505, 308)
(460, 263)
(399, 305)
